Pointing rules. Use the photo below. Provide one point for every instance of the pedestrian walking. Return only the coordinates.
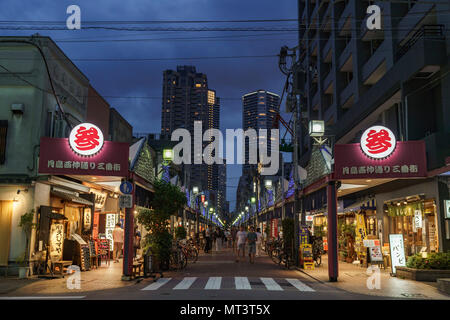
(118, 242)
(207, 240)
(227, 238)
(233, 238)
(258, 242)
(218, 237)
(241, 237)
(251, 240)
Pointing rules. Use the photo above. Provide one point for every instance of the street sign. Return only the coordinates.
(126, 187)
(126, 201)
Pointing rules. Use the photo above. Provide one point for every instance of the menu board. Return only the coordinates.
(375, 254)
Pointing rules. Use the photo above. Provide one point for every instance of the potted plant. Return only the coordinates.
(26, 223)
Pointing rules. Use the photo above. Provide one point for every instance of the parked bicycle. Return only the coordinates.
(177, 258)
(317, 250)
(190, 251)
(282, 255)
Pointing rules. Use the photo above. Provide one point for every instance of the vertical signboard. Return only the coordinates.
(56, 241)
(397, 247)
(109, 227)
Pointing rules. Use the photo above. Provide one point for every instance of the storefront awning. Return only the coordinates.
(70, 197)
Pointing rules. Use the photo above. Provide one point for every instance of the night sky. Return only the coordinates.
(142, 80)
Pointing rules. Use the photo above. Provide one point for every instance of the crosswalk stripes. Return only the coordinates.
(240, 283)
(158, 284)
(299, 285)
(213, 283)
(271, 284)
(185, 283)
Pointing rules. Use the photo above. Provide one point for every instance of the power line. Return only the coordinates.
(150, 59)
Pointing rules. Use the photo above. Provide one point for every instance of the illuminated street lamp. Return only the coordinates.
(246, 208)
(253, 200)
(316, 128)
(195, 190)
(168, 155)
(268, 184)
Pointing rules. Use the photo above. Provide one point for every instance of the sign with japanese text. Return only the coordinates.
(274, 228)
(100, 198)
(378, 142)
(406, 161)
(56, 241)
(417, 219)
(87, 219)
(397, 247)
(86, 139)
(126, 201)
(57, 157)
(111, 220)
(371, 243)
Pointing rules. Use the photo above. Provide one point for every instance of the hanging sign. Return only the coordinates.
(406, 160)
(417, 219)
(86, 139)
(57, 156)
(397, 248)
(378, 142)
(87, 219)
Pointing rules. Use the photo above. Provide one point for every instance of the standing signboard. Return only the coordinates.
(397, 247)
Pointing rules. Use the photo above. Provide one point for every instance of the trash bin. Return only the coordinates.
(148, 264)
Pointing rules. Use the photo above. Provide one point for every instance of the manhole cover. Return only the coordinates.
(413, 295)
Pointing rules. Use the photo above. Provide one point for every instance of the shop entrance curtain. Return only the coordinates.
(5, 230)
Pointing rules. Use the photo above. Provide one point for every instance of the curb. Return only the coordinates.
(318, 280)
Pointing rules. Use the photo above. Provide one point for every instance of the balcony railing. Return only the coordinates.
(435, 31)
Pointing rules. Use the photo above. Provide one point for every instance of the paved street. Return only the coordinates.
(215, 276)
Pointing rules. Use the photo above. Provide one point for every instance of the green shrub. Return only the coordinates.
(438, 260)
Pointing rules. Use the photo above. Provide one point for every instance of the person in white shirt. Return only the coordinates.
(241, 238)
(118, 242)
(258, 242)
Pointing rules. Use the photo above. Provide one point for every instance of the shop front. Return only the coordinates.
(75, 228)
(371, 174)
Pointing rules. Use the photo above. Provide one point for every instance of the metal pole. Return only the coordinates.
(296, 204)
(128, 247)
(332, 232)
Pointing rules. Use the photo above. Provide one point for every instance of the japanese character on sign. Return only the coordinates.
(378, 142)
(50, 163)
(404, 169)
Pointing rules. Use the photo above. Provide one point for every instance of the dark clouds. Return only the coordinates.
(231, 78)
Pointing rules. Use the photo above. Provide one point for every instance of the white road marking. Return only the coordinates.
(213, 283)
(158, 284)
(42, 298)
(242, 283)
(300, 285)
(185, 283)
(271, 284)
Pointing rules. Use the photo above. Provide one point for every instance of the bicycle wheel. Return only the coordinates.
(182, 260)
(194, 254)
(173, 261)
(318, 260)
(276, 256)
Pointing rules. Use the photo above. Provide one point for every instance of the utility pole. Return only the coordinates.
(293, 106)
